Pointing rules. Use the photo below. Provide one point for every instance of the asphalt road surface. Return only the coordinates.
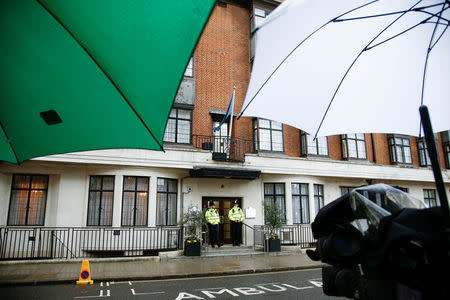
(303, 284)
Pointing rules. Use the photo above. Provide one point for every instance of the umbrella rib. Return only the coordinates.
(9, 142)
(418, 9)
(428, 55)
(353, 63)
(412, 27)
(293, 50)
(104, 72)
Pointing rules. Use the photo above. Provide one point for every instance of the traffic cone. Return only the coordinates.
(85, 273)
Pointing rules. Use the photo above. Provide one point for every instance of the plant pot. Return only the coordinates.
(192, 249)
(272, 245)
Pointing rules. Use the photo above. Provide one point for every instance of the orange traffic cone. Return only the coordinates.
(85, 274)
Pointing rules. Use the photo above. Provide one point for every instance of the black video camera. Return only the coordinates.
(380, 243)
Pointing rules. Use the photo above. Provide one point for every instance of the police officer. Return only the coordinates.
(213, 220)
(236, 217)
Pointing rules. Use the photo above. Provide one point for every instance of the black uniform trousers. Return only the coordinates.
(236, 233)
(214, 237)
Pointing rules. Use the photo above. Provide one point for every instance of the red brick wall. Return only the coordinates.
(334, 147)
(221, 60)
(291, 140)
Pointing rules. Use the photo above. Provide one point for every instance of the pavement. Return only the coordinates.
(173, 264)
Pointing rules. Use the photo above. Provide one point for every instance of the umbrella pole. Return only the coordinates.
(431, 146)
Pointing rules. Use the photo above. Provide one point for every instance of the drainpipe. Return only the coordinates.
(182, 196)
(373, 148)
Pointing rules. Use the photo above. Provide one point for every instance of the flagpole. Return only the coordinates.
(231, 122)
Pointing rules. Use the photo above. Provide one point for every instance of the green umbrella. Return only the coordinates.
(91, 74)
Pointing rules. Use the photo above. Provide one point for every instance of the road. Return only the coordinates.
(303, 284)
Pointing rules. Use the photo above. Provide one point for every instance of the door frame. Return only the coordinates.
(223, 213)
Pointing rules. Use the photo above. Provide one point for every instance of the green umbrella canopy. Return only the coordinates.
(91, 74)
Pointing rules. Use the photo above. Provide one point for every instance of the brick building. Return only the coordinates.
(123, 192)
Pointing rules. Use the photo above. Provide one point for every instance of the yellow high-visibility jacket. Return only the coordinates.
(236, 214)
(212, 216)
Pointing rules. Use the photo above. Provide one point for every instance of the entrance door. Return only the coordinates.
(223, 205)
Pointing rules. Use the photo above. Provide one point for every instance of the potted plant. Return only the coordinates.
(274, 221)
(193, 220)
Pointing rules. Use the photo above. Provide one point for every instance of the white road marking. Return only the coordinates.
(99, 296)
(138, 294)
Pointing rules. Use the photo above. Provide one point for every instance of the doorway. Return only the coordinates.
(223, 205)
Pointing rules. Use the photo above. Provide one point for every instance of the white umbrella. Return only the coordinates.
(304, 61)
(340, 66)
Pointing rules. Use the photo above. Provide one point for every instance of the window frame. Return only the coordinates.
(319, 198)
(101, 200)
(167, 180)
(445, 139)
(189, 66)
(176, 118)
(427, 197)
(257, 134)
(274, 195)
(305, 145)
(29, 189)
(393, 155)
(300, 195)
(354, 137)
(135, 191)
(422, 150)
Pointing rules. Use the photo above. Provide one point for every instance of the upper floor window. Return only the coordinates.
(319, 146)
(429, 196)
(178, 129)
(354, 146)
(300, 203)
(189, 72)
(318, 197)
(268, 135)
(135, 201)
(424, 159)
(445, 136)
(274, 194)
(256, 18)
(28, 200)
(400, 149)
(166, 202)
(100, 202)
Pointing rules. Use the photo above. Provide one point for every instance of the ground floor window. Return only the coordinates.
(346, 189)
(274, 194)
(166, 202)
(135, 201)
(318, 197)
(300, 203)
(100, 203)
(429, 196)
(28, 200)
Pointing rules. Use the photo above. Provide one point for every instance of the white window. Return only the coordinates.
(300, 203)
(353, 146)
(400, 149)
(28, 200)
(268, 135)
(319, 146)
(178, 128)
(166, 198)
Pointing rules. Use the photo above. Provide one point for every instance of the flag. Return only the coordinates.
(228, 113)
